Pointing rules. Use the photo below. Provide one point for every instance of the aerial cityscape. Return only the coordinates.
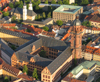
(49, 40)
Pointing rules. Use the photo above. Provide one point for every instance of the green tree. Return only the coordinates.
(6, 79)
(84, 2)
(37, 7)
(6, 14)
(43, 15)
(46, 28)
(13, 18)
(28, 30)
(39, 16)
(46, 2)
(86, 23)
(11, 5)
(60, 2)
(21, 5)
(25, 69)
(16, 4)
(49, 15)
(65, 1)
(53, 2)
(90, 1)
(35, 75)
(59, 22)
(10, 78)
(27, 6)
(39, 1)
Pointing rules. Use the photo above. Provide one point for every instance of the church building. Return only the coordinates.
(24, 13)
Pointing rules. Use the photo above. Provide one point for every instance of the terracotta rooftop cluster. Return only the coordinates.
(4, 2)
(92, 50)
(7, 9)
(38, 30)
(93, 28)
(69, 78)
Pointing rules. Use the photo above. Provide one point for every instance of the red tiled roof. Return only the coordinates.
(68, 79)
(96, 0)
(95, 18)
(95, 8)
(96, 12)
(10, 24)
(7, 9)
(26, 77)
(8, 68)
(88, 17)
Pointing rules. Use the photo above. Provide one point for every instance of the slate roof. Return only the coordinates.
(95, 18)
(5, 48)
(53, 43)
(31, 13)
(6, 18)
(38, 60)
(18, 34)
(42, 61)
(54, 65)
(26, 44)
(20, 11)
(28, 47)
(23, 56)
(38, 22)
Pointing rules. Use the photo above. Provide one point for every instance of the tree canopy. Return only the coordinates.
(60, 2)
(53, 2)
(84, 2)
(65, 1)
(59, 22)
(46, 28)
(46, 2)
(6, 79)
(6, 14)
(35, 75)
(49, 15)
(42, 53)
(43, 15)
(11, 5)
(16, 4)
(25, 69)
(86, 23)
(21, 5)
(28, 30)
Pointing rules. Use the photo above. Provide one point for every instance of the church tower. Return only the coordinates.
(24, 11)
(76, 39)
(30, 6)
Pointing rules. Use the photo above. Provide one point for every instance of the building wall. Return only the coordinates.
(57, 74)
(51, 53)
(71, 1)
(18, 16)
(6, 73)
(96, 57)
(13, 39)
(31, 65)
(95, 24)
(66, 17)
(91, 31)
(88, 56)
(5, 57)
(78, 75)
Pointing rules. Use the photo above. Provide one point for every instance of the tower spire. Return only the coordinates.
(76, 39)
(30, 6)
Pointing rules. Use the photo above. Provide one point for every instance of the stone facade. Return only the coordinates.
(66, 17)
(76, 41)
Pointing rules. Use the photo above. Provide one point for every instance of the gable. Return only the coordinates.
(46, 70)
